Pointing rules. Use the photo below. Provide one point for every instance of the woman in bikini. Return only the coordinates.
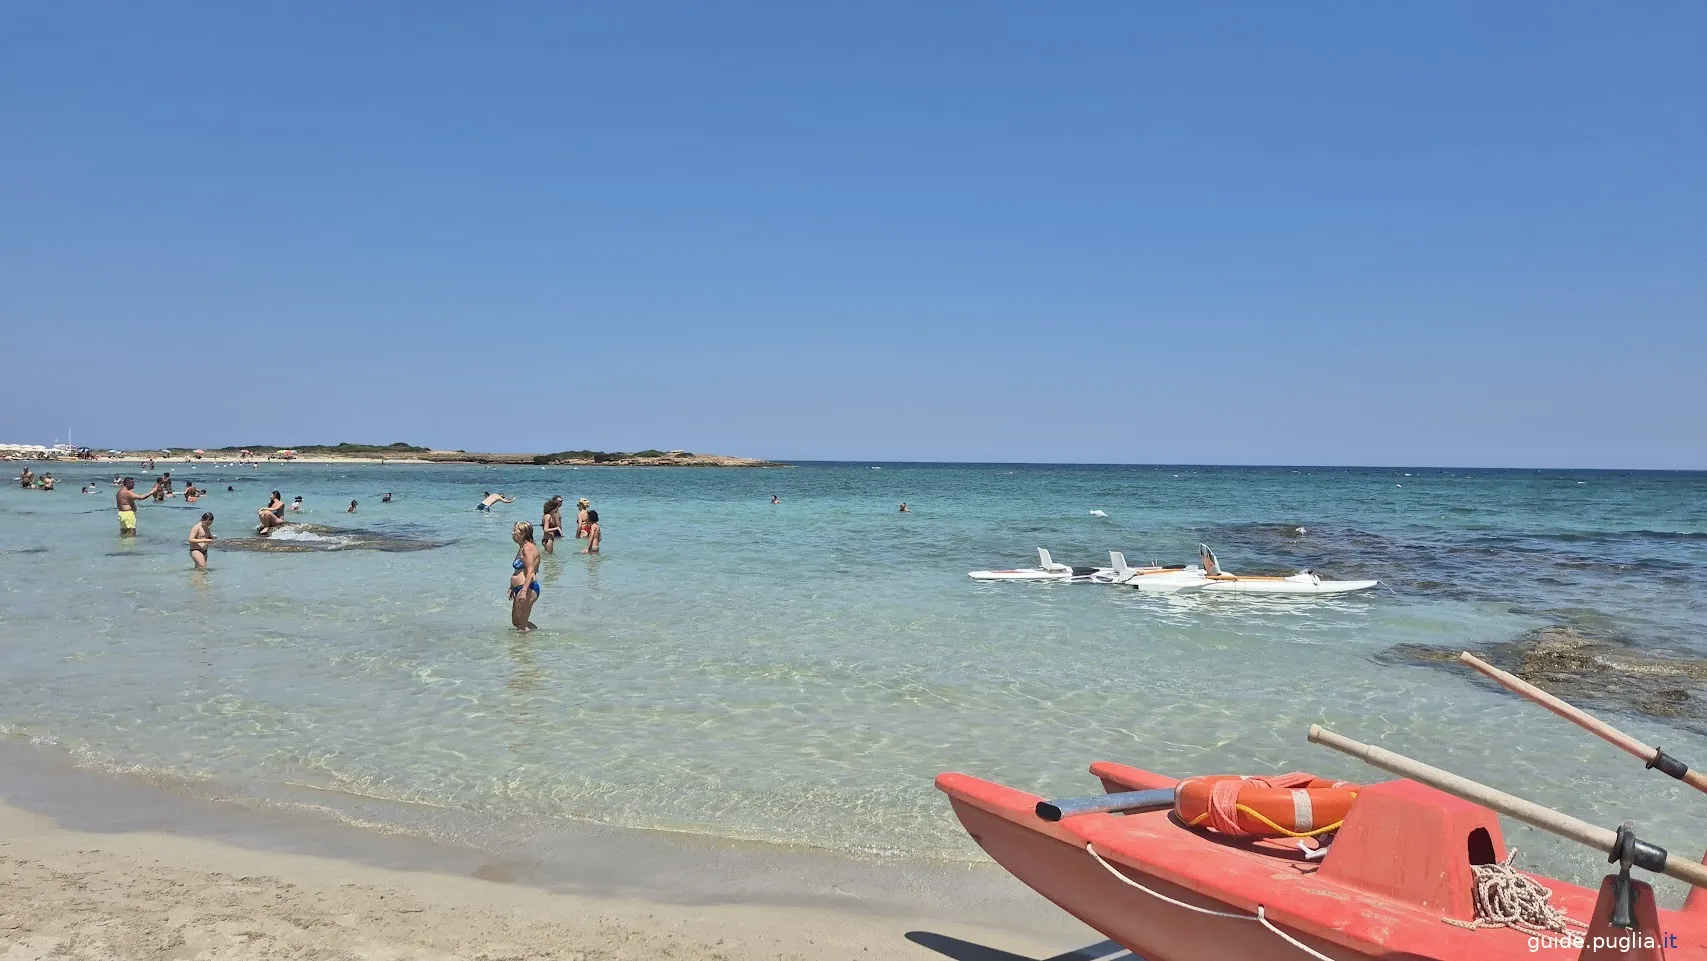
(524, 577)
(272, 515)
(201, 538)
(581, 507)
(594, 538)
(551, 523)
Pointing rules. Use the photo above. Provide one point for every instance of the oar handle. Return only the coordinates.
(1545, 818)
(1652, 756)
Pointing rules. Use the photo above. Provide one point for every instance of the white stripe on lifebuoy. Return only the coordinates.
(1303, 818)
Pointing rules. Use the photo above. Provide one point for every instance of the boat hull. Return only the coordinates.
(1399, 868)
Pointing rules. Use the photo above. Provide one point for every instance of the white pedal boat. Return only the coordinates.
(1049, 570)
(1212, 579)
(1046, 570)
(1119, 573)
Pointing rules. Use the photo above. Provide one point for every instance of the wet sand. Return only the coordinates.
(104, 866)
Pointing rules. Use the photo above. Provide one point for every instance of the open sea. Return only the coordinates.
(798, 673)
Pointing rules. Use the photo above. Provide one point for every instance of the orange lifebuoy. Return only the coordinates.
(1290, 805)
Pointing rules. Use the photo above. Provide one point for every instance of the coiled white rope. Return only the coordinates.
(1507, 899)
(1260, 917)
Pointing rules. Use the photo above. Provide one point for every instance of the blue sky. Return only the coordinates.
(1457, 234)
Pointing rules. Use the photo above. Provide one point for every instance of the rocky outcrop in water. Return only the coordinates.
(1585, 669)
(313, 538)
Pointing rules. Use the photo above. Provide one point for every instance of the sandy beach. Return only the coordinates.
(127, 870)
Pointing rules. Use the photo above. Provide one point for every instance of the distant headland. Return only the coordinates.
(398, 453)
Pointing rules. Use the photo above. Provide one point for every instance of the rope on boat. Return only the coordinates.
(1261, 917)
(1507, 899)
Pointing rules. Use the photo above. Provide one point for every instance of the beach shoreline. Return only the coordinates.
(118, 866)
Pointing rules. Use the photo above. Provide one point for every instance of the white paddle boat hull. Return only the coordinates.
(1047, 570)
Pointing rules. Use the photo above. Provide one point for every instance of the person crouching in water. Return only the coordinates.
(272, 515)
(524, 577)
(201, 538)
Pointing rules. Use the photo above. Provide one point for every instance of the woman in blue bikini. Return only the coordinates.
(524, 579)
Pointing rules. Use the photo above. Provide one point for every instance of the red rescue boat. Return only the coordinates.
(1397, 881)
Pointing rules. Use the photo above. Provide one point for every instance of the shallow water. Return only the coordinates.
(799, 672)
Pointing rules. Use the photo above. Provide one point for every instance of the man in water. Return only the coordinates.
(46, 483)
(27, 479)
(490, 499)
(201, 538)
(905, 509)
(386, 499)
(127, 499)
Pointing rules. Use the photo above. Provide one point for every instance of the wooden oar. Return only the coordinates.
(1652, 756)
(1646, 855)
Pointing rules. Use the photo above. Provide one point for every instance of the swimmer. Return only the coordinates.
(127, 499)
(201, 538)
(351, 509)
(27, 480)
(230, 489)
(524, 577)
(774, 499)
(905, 509)
(594, 538)
(46, 482)
(581, 508)
(192, 492)
(90, 489)
(386, 499)
(296, 503)
(490, 499)
(272, 515)
(117, 480)
(551, 523)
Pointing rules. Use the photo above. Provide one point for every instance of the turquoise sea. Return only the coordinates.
(797, 673)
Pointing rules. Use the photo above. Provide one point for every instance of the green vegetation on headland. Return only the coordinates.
(607, 457)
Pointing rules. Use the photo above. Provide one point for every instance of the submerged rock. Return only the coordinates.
(1584, 668)
(308, 538)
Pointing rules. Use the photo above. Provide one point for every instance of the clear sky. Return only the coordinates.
(1456, 234)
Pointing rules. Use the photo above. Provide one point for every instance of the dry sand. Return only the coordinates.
(127, 870)
(75, 894)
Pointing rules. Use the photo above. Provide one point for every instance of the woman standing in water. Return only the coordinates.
(524, 579)
(551, 523)
(201, 538)
(581, 508)
(594, 538)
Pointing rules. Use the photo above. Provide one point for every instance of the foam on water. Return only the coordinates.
(799, 672)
